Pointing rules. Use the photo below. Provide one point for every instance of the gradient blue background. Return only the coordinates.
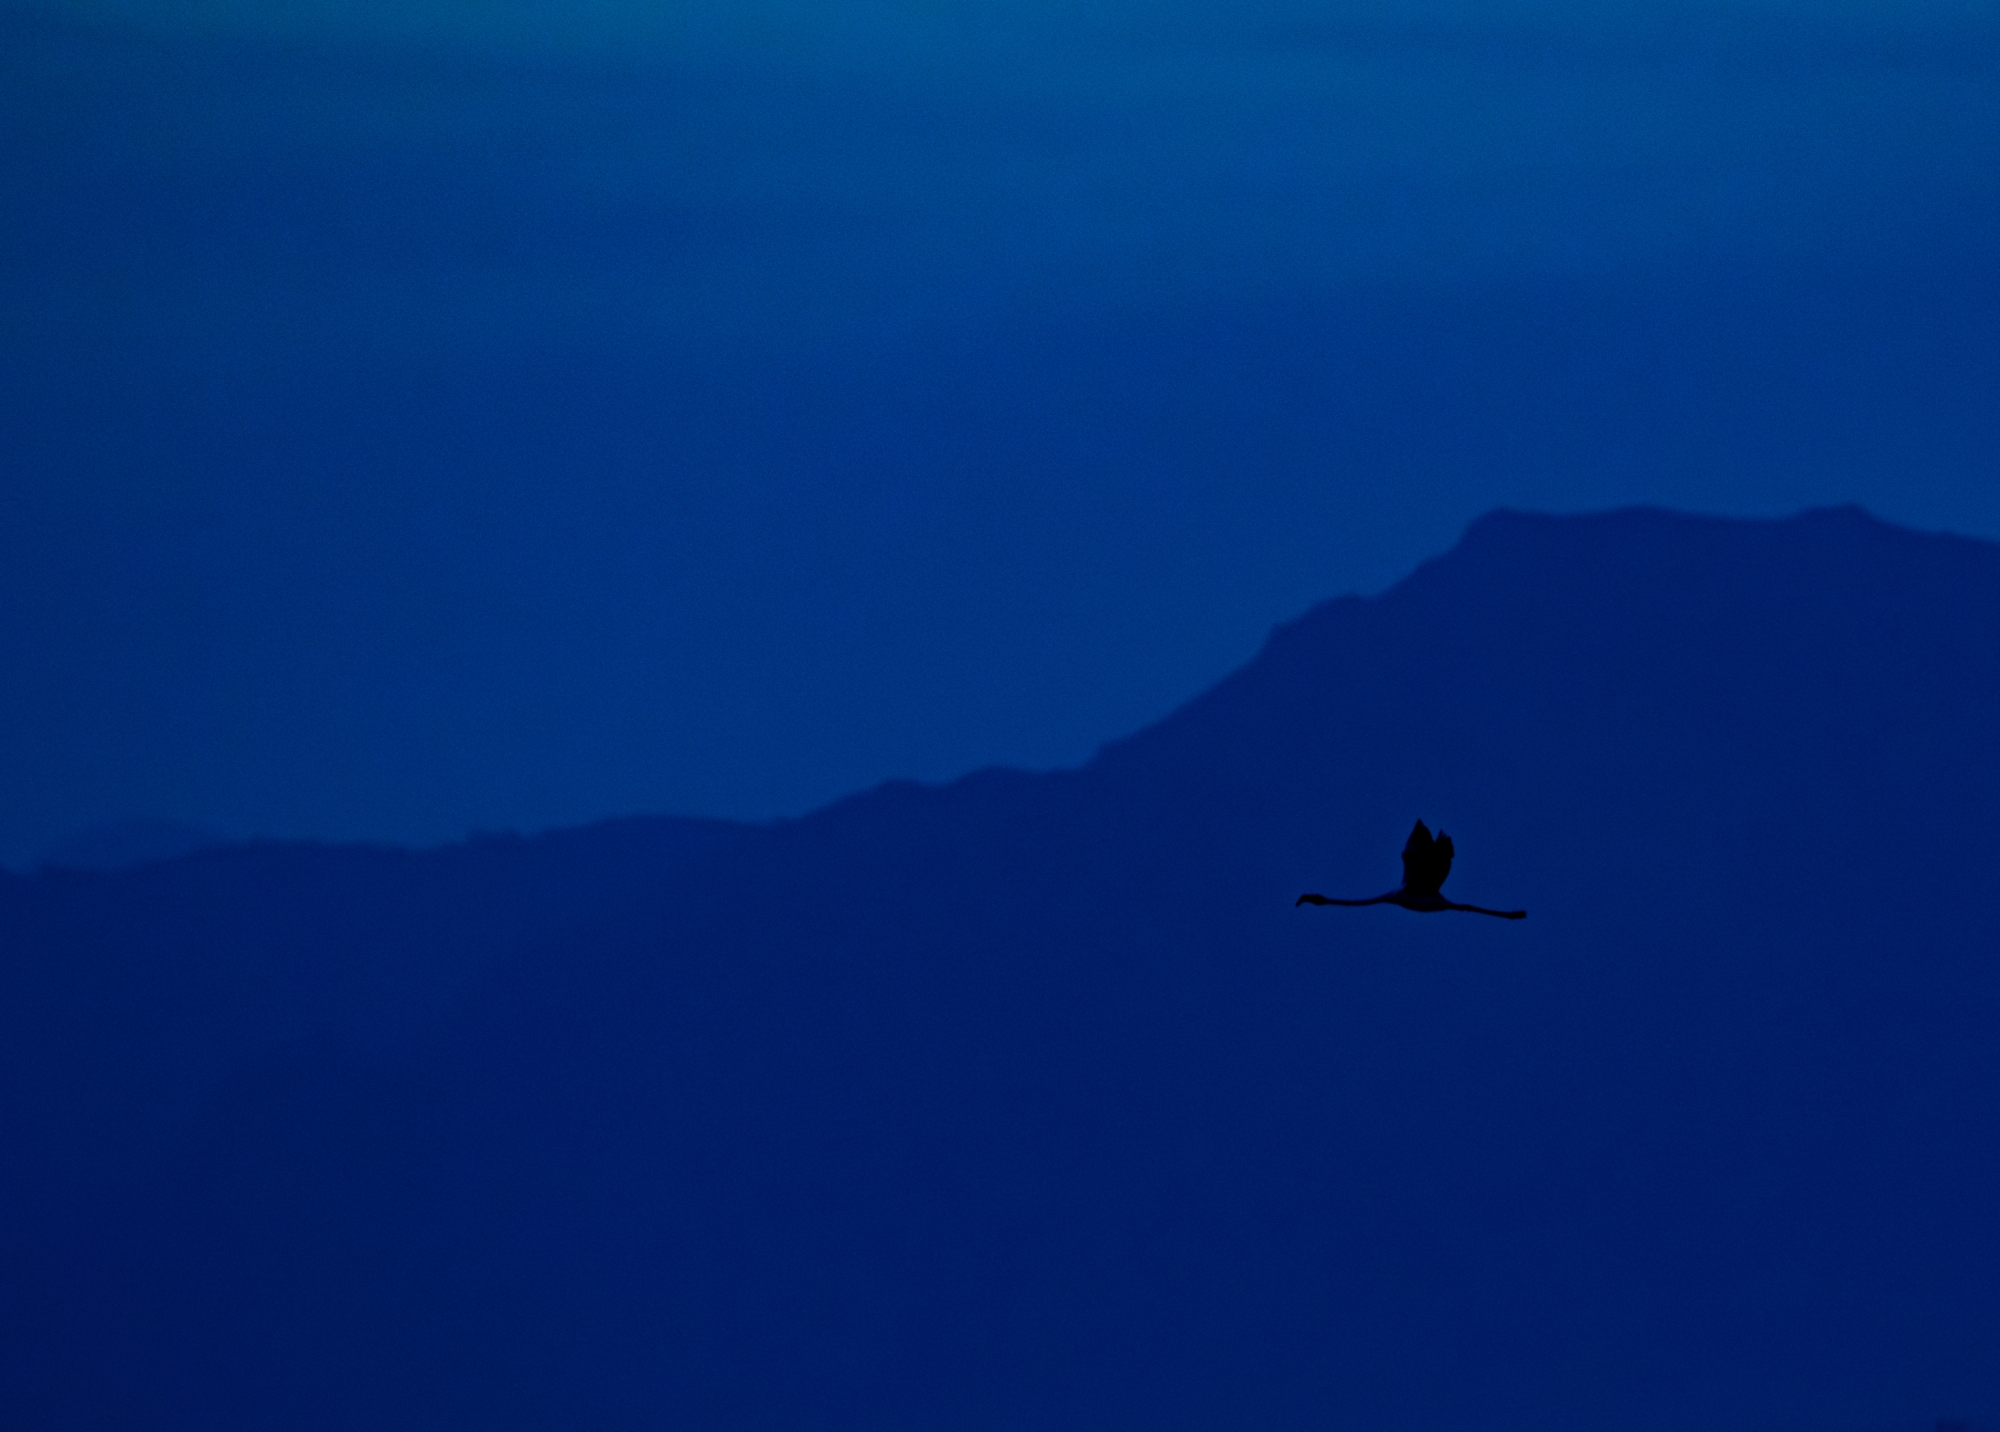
(419, 417)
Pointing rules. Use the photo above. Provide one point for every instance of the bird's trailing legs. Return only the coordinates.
(1402, 897)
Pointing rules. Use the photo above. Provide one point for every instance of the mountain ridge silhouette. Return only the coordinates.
(1030, 1097)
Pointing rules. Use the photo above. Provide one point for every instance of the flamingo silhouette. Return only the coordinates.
(1426, 862)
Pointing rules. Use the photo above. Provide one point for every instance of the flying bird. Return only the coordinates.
(1426, 862)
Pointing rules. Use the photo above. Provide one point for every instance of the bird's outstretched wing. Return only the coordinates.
(1310, 899)
(1426, 862)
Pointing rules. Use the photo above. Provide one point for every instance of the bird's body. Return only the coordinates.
(1426, 863)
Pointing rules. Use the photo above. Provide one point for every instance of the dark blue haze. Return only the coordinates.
(483, 484)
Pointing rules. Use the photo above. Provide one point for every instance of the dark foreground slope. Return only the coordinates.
(1032, 1101)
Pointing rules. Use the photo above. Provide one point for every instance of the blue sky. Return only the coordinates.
(424, 417)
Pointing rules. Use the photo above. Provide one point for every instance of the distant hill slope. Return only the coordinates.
(127, 997)
(121, 844)
(1032, 1100)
